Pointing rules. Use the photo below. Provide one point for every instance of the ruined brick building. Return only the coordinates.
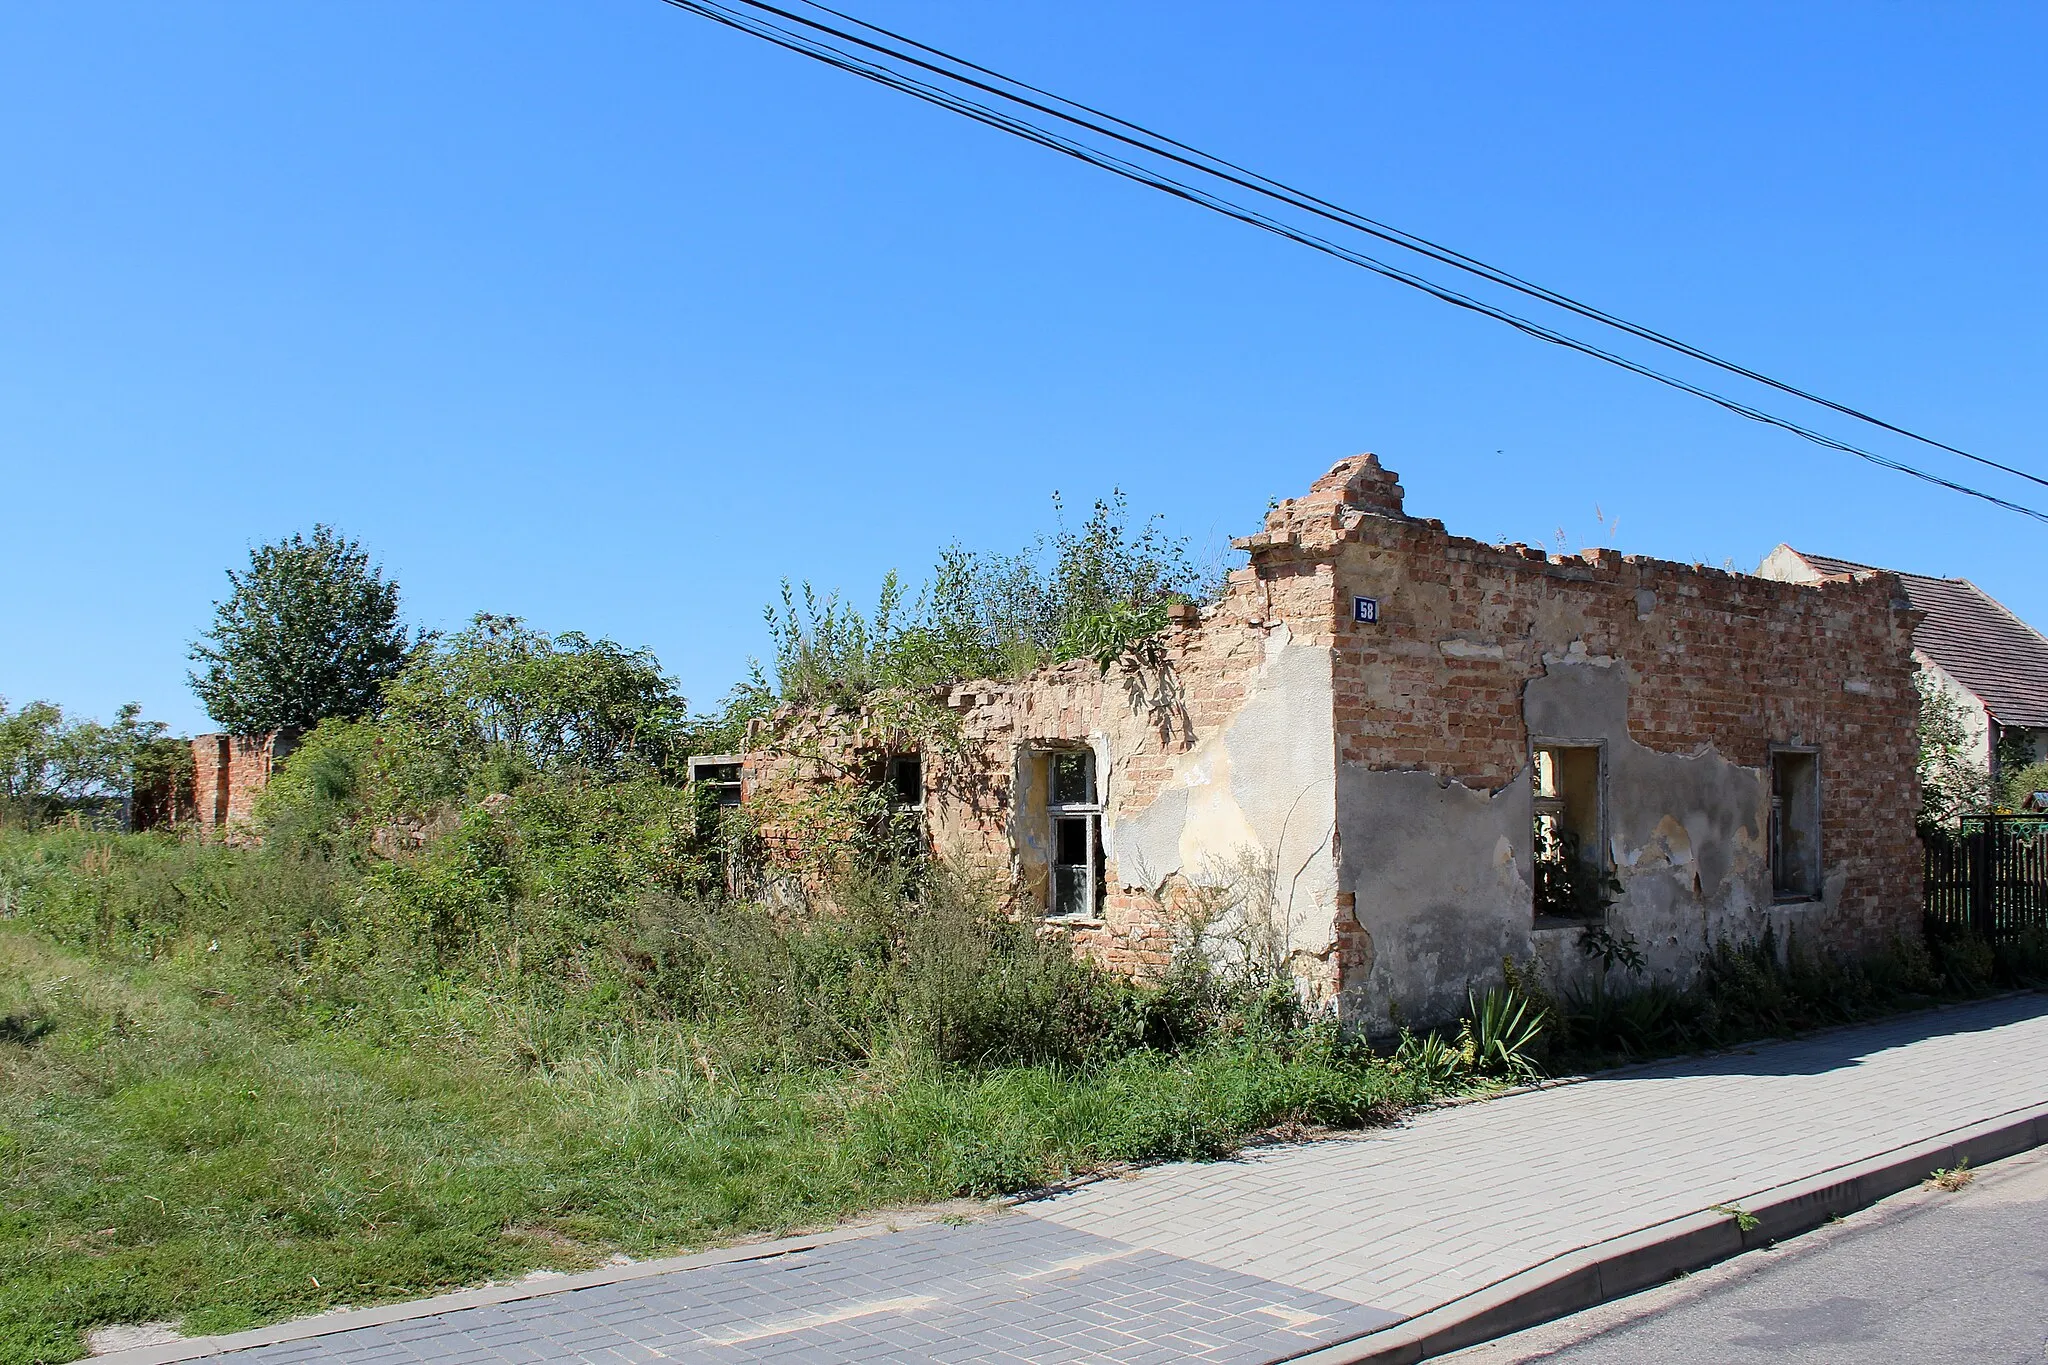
(1389, 757)
(228, 773)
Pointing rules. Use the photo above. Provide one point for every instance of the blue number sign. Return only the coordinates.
(1365, 610)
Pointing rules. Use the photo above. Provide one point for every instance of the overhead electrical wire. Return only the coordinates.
(749, 20)
(1162, 145)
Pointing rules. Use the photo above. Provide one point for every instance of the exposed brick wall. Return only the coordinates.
(1713, 661)
(228, 773)
(1141, 721)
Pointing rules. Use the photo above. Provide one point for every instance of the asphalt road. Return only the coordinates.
(1927, 1276)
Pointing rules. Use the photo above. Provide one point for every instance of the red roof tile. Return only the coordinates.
(1982, 645)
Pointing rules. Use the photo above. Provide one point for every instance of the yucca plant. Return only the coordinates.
(1501, 1033)
(1429, 1059)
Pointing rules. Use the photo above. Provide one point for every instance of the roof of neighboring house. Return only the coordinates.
(1982, 645)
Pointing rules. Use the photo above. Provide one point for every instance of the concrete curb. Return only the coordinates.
(346, 1320)
(1592, 1275)
(1566, 1284)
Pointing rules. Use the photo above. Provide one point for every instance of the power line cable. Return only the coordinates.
(883, 75)
(1244, 177)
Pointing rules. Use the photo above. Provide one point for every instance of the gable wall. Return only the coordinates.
(1687, 675)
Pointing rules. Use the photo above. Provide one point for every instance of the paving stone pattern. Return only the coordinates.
(1413, 1217)
(1267, 1257)
(1014, 1289)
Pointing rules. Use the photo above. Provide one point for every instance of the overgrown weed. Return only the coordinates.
(1765, 989)
(246, 1084)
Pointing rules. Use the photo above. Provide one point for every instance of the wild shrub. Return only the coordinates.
(135, 897)
(54, 767)
(2023, 961)
(1953, 780)
(1098, 591)
(1754, 989)
(319, 800)
(918, 965)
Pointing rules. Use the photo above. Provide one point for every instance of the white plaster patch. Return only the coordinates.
(1471, 649)
(1669, 845)
(1215, 821)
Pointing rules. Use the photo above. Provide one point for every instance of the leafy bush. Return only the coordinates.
(1095, 592)
(323, 790)
(2019, 784)
(1754, 990)
(51, 765)
(1953, 780)
(501, 701)
(480, 714)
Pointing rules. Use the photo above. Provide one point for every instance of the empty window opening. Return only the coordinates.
(1795, 824)
(906, 782)
(903, 787)
(1573, 879)
(718, 774)
(1075, 813)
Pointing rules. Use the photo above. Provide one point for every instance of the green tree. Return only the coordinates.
(310, 631)
(501, 700)
(50, 765)
(1097, 592)
(1953, 779)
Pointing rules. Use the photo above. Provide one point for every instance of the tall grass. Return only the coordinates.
(238, 1085)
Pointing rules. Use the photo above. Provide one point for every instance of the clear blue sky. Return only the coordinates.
(600, 315)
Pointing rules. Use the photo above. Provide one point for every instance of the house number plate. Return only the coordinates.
(1365, 610)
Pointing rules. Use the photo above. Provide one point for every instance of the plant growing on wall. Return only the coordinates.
(1099, 591)
(1569, 885)
(310, 630)
(502, 701)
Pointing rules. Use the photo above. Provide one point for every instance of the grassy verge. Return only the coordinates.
(239, 1086)
(204, 1119)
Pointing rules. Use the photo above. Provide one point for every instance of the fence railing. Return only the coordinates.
(1990, 879)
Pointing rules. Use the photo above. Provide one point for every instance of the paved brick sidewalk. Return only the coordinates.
(1413, 1217)
(1267, 1257)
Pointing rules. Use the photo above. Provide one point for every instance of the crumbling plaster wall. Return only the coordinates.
(1247, 816)
(1687, 675)
(1214, 767)
(1380, 769)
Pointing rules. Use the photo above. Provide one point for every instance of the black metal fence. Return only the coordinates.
(1990, 879)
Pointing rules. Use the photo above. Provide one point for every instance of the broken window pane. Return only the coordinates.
(906, 781)
(1075, 815)
(1076, 863)
(720, 775)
